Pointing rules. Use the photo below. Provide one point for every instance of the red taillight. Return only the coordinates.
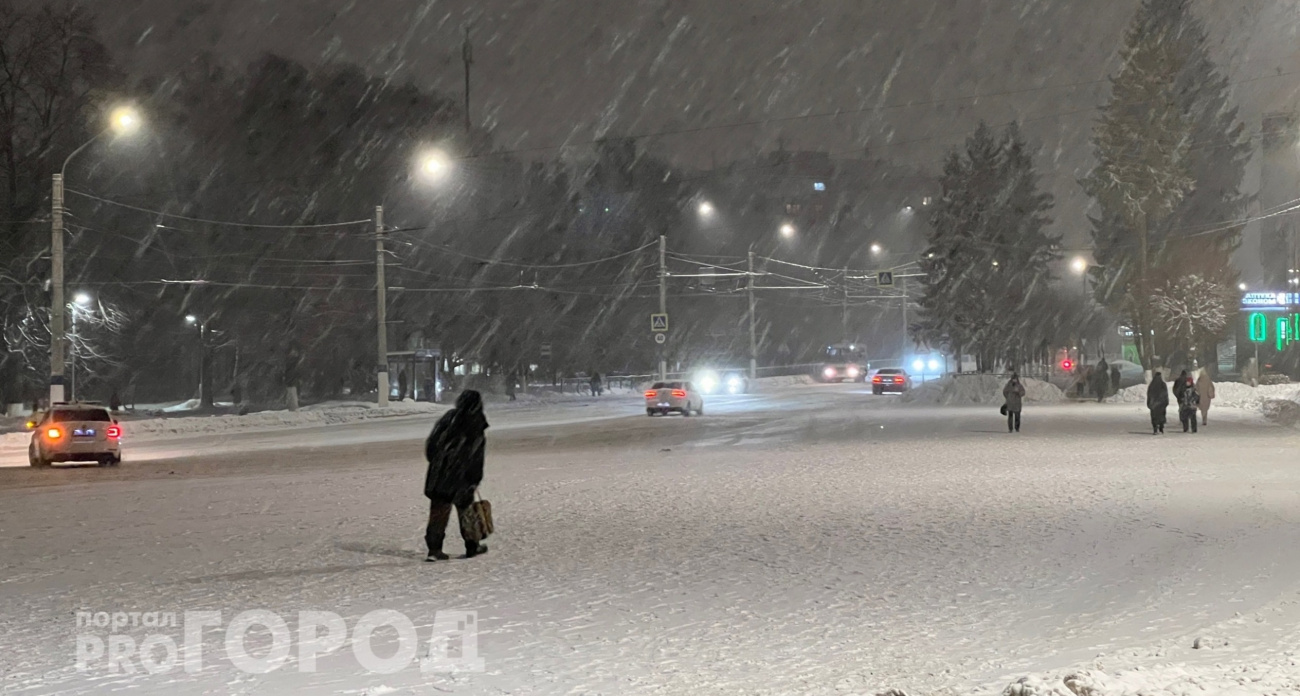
(113, 432)
(651, 394)
(679, 393)
(898, 380)
(877, 379)
(54, 433)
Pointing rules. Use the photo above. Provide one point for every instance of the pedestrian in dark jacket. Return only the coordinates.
(455, 451)
(1180, 385)
(1188, 402)
(1014, 393)
(1157, 403)
(1115, 378)
(1102, 379)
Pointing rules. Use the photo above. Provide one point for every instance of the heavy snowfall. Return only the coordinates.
(826, 347)
(802, 539)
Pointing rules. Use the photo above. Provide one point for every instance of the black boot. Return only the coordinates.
(476, 550)
(436, 556)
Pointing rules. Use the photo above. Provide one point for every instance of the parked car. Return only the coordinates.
(890, 379)
(75, 433)
(664, 398)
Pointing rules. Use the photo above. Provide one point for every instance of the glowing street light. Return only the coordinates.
(82, 299)
(435, 165)
(1079, 265)
(191, 319)
(877, 250)
(1243, 287)
(123, 121)
(788, 231)
(705, 209)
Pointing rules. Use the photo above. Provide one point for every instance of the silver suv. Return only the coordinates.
(75, 433)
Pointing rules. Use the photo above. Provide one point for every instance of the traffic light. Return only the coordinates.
(1067, 364)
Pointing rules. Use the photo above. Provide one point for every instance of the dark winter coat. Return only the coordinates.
(1180, 386)
(1157, 395)
(1014, 393)
(1101, 378)
(455, 450)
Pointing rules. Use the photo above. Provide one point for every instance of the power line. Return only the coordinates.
(226, 223)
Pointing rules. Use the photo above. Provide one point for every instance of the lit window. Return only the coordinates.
(819, 186)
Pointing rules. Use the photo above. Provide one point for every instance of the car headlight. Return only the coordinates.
(708, 382)
(735, 384)
(829, 372)
(853, 372)
(934, 365)
(918, 365)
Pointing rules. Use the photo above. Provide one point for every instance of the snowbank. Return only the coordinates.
(1226, 395)
(1162, 680)
(978, 390)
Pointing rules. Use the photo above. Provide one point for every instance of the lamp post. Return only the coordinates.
(123, 121)
(81, 300)
(205, 362)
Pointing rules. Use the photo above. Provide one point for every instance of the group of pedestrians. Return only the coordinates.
(1190, 394)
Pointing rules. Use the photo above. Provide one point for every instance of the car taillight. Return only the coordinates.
(679, 393)
(898, 380)
(651, 394)
(54, 433)
(114, 432)
(877, 379)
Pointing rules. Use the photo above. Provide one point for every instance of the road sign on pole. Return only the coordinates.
(659, 323)
(546, 350)
(661, 339)
(885, 279)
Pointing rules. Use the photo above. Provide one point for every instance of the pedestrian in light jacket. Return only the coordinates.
(1205, 387)
(1014, 393)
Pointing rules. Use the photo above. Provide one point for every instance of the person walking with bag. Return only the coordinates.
(1014, 393)
(1205, 387)
(1157, 403)
(455, 451)
(1188, 401)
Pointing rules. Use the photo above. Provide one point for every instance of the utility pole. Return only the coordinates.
(467, 55)
(206, 395)
(844, 309)
(902, 355)
(663, 300)
(58, 308)
(753, 331)
(381, 308)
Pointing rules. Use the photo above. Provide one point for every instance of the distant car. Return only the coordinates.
(890, 380)
(664, 398)
(844, 372)
(75, 433)
(710, 382)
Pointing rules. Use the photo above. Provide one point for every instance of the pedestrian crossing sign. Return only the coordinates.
(885, 279)
(658, 323)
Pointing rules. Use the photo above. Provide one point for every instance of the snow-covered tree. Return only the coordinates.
(1170, 157)
(989, 250)
(1193, 310)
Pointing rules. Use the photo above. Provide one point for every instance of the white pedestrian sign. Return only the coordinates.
(659, 323)
(885, 279)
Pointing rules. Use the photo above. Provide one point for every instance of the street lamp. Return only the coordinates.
(435, 165)
(705, 209)
(877, 250)
(124, 120)
(1243, 287)
(205, 361)
(788, 230)
(81, 300)
(1079, 265)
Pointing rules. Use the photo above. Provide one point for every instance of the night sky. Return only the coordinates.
(563, 72)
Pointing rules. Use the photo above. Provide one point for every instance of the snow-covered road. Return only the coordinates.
(813, 540)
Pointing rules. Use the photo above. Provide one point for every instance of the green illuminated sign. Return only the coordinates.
(1286, 329)
(1258, 328)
